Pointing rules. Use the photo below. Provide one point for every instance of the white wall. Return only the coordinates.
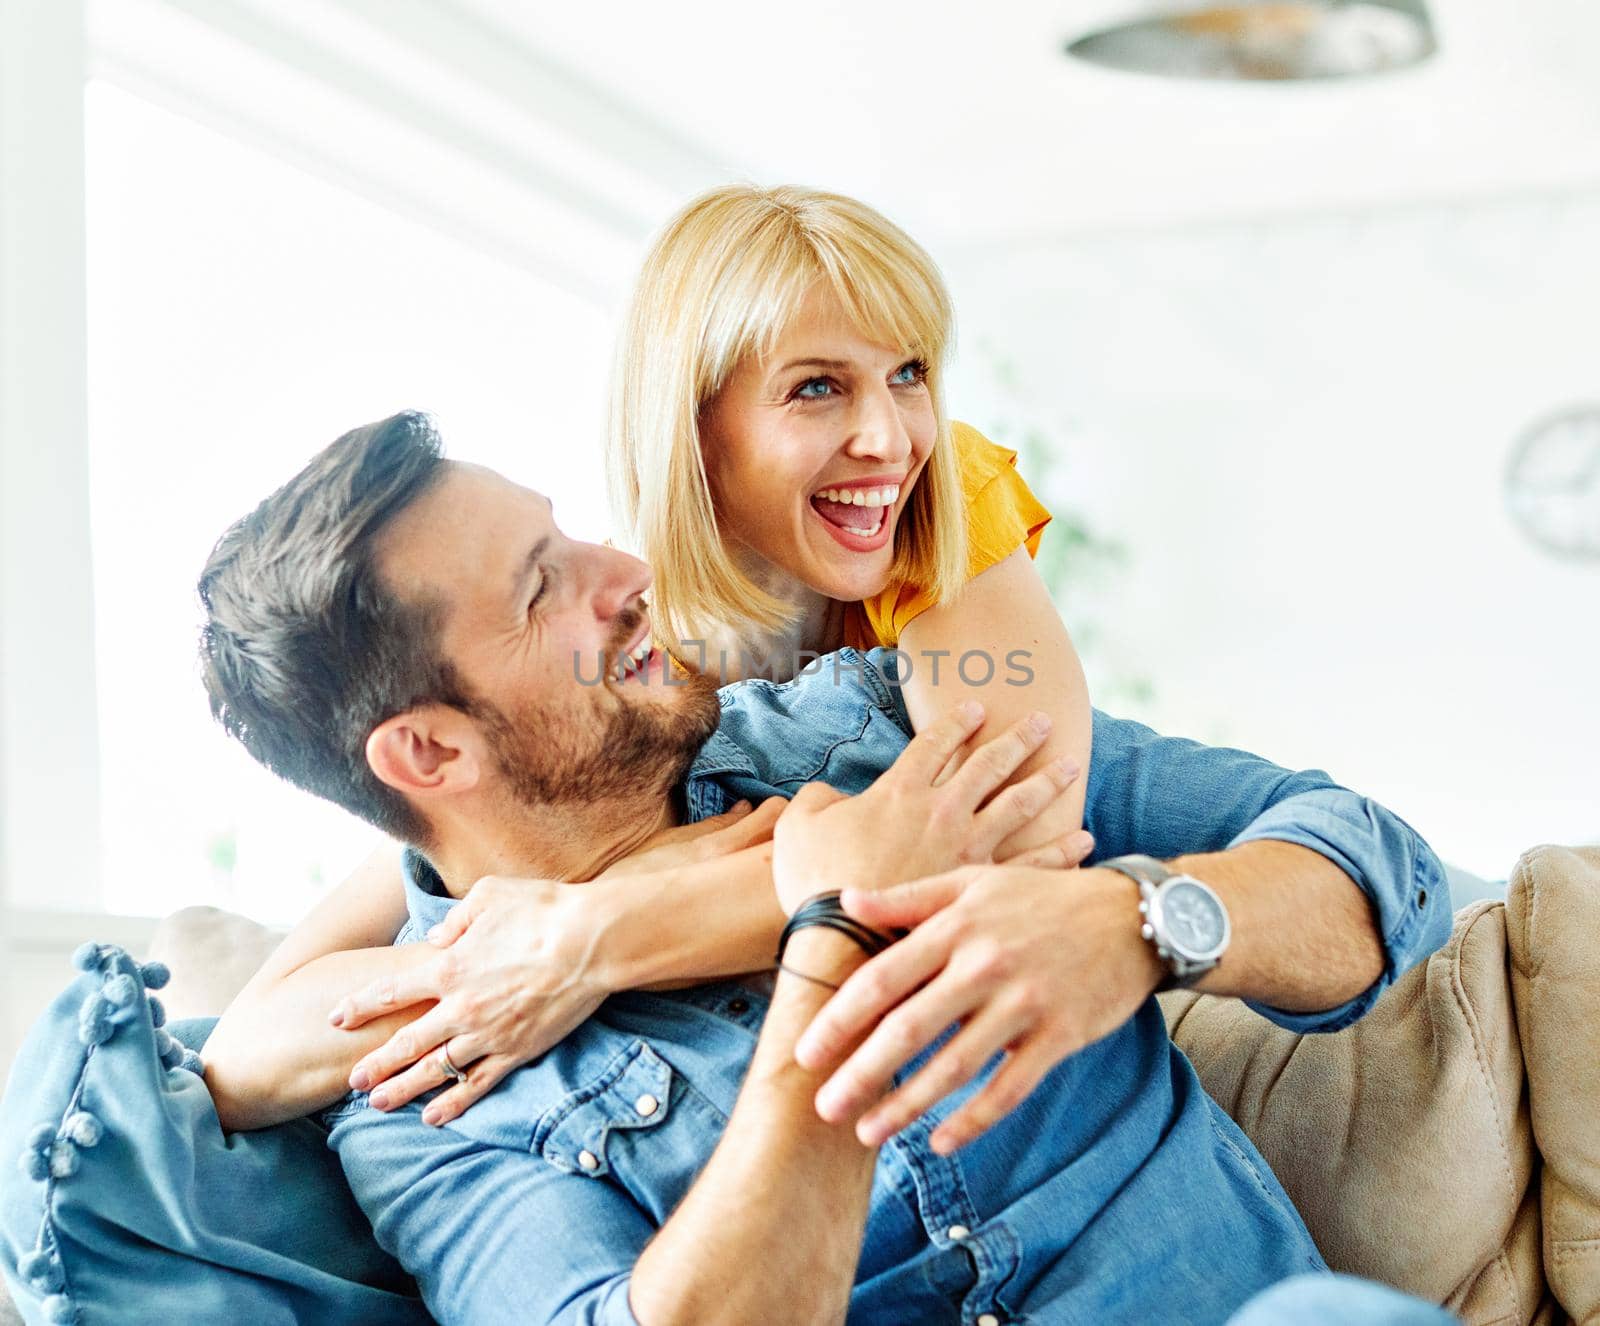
(242, 314)
(49, 809)
(1299, 430)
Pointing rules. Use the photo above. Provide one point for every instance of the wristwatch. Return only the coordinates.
(1183, 918)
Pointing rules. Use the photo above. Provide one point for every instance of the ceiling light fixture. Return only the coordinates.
(1261, 40)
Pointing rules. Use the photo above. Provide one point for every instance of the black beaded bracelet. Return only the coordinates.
(825, 910)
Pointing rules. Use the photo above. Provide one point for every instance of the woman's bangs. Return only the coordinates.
(757, 310)
(892, 306)
(892, 300)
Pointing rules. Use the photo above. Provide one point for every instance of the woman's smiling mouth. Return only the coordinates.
(858, 515)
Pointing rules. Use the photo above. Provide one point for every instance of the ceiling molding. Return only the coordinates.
(379, 186)
(445, 120)
(499, 60)
(414, 107)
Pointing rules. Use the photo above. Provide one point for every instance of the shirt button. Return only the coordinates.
(957, 1232)
(988, 1319)
(587, 1160)
(646, 1105)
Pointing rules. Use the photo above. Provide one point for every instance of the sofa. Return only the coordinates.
(1448, 1144)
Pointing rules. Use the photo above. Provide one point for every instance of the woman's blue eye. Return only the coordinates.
(908, 375)
(805, 391)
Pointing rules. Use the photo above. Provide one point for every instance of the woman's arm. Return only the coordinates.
(519, 963)
(273, 1055)
(276, 1054)
(682, 926)
(1018, 657)
(507, 989)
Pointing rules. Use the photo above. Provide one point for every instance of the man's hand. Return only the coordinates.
(918, 817)
(1034, 962)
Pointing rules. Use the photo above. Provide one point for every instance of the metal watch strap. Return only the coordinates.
(1144, 871)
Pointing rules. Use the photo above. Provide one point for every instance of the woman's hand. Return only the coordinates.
(918, 818)
(522, 963)
(518, 971)
(705, 840)
(1034, 962)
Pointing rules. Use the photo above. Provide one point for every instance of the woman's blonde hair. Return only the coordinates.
(721, 282)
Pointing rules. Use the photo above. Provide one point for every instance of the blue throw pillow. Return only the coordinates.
(123, 1200)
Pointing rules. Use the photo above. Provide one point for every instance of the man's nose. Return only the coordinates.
(621, 578)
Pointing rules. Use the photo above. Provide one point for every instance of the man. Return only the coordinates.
(666, 1161)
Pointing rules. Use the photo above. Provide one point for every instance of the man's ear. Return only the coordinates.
(427, 752)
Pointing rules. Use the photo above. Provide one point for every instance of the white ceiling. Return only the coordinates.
(966, 123)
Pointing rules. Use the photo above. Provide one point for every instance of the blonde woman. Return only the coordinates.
(783, 348)
(779, 453)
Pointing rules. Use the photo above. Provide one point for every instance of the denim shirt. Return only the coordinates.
(1118, 1191)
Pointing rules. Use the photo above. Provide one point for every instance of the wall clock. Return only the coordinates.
(1552, 483)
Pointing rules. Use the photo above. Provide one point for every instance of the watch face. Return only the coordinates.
(1194, 920)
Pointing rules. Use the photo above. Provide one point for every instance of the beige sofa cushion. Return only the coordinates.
(1554, 913)
(1404, 1140)
(212, 954)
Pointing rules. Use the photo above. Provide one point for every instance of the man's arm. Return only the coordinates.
(497, 1234)
(1172, 798)
(1332, 897)
(784, 1191)
(1325, 954)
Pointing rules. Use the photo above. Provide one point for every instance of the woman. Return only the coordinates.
(779, 453)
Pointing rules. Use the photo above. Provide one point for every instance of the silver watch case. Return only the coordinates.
(1185, 963)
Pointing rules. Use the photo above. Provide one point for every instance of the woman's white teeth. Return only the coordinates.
(861, 496)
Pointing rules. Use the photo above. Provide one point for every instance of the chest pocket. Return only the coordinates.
(638, 1124)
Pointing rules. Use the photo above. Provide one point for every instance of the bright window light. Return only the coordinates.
(242, 314)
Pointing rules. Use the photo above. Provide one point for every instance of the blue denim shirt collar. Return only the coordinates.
(427, 900)
(719, 757)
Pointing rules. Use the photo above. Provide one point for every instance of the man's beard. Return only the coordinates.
(550, 757)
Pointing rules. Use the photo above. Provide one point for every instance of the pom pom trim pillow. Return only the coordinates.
(123, 1200)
